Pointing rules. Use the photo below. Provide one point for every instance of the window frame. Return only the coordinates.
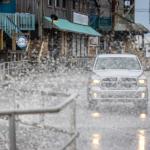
(57, 3)
(64, 2)
(51, 3)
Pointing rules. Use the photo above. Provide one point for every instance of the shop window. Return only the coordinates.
(4, 1)
(64, 3)
(50, 2)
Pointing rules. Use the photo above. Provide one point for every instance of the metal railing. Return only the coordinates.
(13, 113)
(77, 62)
(9, 68)
(17, 67)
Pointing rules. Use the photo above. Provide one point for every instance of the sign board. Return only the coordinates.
(93, 41)
(127, 3)
(21, 41)
(80, 19)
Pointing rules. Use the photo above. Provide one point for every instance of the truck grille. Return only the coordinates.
(119, 83)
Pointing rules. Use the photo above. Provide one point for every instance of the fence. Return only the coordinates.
(13, 113)
(14, 67)
(75, 62)
(17, 67)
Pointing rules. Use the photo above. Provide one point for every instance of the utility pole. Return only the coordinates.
(40, 19)
(113, 14)
(149, 11)
(1, 39)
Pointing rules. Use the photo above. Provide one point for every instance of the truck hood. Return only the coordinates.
(118, 73)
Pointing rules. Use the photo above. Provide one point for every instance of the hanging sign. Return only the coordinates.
(22, 41)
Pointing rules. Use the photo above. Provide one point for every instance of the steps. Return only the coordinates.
(8, 26)
(34, 49)
(38, 50)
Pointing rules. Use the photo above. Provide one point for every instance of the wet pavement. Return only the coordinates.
(114, 130)
(106, 127)
(113, 127)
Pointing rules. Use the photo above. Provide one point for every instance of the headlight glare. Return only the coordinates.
(142, 82)
(95, 82)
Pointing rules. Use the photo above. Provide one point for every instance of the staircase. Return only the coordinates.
(8, 26)
(38, 50)
(34, 49)
(12, 23)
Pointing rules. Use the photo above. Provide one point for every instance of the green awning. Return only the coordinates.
(65, 25)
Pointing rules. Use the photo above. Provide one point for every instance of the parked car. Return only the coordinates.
(118, 78)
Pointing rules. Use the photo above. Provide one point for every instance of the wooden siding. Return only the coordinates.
(31, 6)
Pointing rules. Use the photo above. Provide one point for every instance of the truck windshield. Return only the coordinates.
(129, 63)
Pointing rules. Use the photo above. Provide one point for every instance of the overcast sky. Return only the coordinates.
(142, 12)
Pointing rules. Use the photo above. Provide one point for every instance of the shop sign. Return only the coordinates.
(22, 41)
(80, 19)
(93, 40)
(127, 2)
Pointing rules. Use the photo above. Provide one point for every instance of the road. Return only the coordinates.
(112, 127)
(107, 127)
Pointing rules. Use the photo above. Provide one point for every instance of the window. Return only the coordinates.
(64, 3)
(74, 4)
(57, 3)
(50, 2)
(4, 1)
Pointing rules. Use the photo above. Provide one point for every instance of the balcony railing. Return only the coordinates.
(8, 25)
(24, 21)
(105, 23)
(100, 23)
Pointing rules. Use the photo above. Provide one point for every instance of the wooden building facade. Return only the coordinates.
(68, 42)
(13, 25)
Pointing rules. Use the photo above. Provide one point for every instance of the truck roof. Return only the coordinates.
(116, 55)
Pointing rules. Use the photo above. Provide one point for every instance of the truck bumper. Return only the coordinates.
(118, 95)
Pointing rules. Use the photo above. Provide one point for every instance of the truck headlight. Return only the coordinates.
(142, 82)
(95, 82)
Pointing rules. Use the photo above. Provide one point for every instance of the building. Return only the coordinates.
(71, 33)
(78, 28)
(14, 28)
(125, 28)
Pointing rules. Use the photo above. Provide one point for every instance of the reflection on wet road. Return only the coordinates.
(141, 140)
(114, 128)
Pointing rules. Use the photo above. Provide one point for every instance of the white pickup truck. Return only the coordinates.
(118, 78)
